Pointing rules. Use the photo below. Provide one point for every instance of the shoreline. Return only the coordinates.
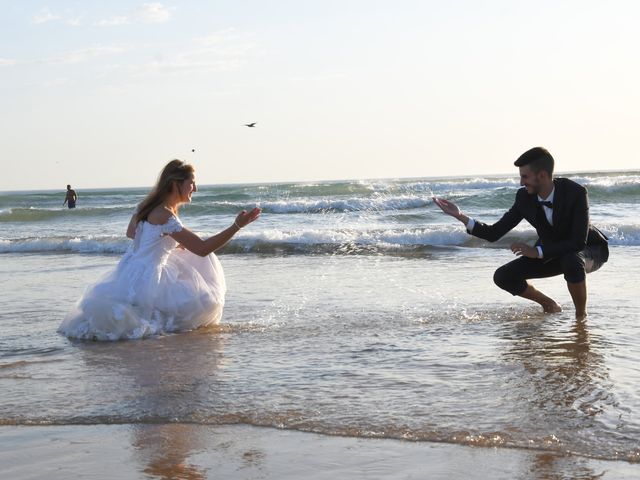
(242, 451)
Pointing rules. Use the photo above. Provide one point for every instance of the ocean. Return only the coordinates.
(355, 308)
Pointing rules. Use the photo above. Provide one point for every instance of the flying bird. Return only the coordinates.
(250, 125)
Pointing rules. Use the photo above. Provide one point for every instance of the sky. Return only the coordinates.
(103, 94)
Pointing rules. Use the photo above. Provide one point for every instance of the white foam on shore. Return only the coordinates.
(432, 236)
(439, 235)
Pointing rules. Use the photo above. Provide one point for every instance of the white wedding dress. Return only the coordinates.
(156, 288)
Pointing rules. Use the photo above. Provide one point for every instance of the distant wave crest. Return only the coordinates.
(90, 244)
(39, 214)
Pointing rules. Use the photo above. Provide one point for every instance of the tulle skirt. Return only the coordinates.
(143, 298)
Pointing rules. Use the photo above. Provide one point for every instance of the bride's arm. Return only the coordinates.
(192, 242)
(197, 245)
(131, 229)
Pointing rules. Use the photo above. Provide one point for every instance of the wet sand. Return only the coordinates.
(189, 451)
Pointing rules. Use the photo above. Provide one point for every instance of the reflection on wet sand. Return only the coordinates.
(164, 378)
(164, 450)
(561, 387)
(548, 466)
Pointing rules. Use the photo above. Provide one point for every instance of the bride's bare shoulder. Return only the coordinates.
(159, 215)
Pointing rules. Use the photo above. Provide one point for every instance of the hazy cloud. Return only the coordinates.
(45, 16)
(153, 13)
(55, 82)
(84, 54)
(66, 58)
(223, 36)
(186, 65)
(223, 51)
(147, 13)
(112, 22)
(8, 62)
(74, 22)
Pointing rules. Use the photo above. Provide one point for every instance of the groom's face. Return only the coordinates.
(530, 179)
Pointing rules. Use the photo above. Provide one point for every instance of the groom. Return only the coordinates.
(567, 243)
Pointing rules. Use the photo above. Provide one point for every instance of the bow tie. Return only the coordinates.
(545, 203)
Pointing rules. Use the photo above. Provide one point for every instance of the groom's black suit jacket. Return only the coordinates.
(571, 230)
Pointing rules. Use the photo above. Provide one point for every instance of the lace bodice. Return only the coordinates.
(153, 242)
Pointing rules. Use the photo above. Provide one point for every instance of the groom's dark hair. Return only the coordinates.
(538, 159)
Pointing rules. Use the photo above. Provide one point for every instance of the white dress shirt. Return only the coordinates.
(548, 212)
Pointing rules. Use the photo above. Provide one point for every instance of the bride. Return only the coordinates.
(169, 280)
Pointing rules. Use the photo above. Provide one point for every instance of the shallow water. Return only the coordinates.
(366, 346)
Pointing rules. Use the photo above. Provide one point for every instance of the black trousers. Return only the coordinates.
(513, 276)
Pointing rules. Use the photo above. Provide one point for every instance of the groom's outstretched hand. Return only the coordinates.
(447, 207)
(450, 208)
(244, 218)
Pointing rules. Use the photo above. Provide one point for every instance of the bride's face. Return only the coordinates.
(186, 188)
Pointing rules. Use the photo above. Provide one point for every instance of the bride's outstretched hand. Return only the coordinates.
(244, 218)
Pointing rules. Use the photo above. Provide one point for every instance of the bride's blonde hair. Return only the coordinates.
(174, 171)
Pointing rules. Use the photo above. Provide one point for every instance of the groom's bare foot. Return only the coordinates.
(548, 304)
(551, 307)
